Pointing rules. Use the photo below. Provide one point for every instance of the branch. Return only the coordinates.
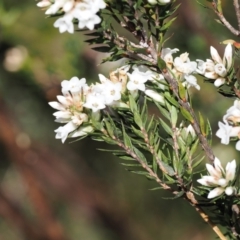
(237, 11)
(218, 10)
(174, 86)
(210, 223)
(143, 164)
(204, 143)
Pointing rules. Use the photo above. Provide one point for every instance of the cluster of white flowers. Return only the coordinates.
(84, 11)
(231, 126)
(80, 102)
(217, 68)
(219, 179)
(181, 67)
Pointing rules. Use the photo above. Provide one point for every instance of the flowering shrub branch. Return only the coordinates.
(164, 148)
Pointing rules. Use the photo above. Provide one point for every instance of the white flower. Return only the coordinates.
(138, 77)
(224, 132)
(183, 64)
(233, 113)
(110, 91)
(217, 68)
(62, 132)
(166, 55)
(219, 179)
(44, 3)
(70, 108)
(65, 24)
(94, 102)
(73, 85)
(191, 81)
(82, 131)
(84, 11)
(54, 8)
(201, 66)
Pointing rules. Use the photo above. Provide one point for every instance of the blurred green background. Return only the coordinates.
(51, 191)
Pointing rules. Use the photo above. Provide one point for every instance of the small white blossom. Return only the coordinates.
(84, 11)
(64, 24)
(231, 128)
(191, 81)
(166, 55)
(70, 107)
(219, 179)
(44, 3)
(94, 102)
(233, 113)
(74, 85)
(62, 132)
(138, 78)
(224, 132)
(217, 68)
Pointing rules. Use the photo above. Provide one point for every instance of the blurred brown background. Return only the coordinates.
(71, 191)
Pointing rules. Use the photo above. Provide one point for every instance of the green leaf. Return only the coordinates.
(154, 165)
(103, 49)
(182, 91)
(156, 188)
(168, 168)
(186, 115)
(126, 138)
(168, 24)
(109, 128)
(178, 195)
(202, 124)
(161, 63)
(127, 158)
(171, 99)
(150, 124)
(163, 111)
(169, 179)
(131, 165)
(166, 127)
(137, 132)
(209, 132)
(109, 140)
(198, 162)
(174, 116)
(194, 147)
(140, 173)
(139, 155)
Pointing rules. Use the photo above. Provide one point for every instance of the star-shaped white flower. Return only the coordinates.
(65, 24)
(74, 85)
(217, 68)
(138, 78)
(219, 179)
(94, 102)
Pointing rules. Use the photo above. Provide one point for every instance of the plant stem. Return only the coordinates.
(204, 143)
(237, 11)
(218, 10)
(214, 227)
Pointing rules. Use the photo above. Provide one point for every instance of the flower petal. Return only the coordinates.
(215, 55)
(228, 54)
(215, 192)
(231, 170)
